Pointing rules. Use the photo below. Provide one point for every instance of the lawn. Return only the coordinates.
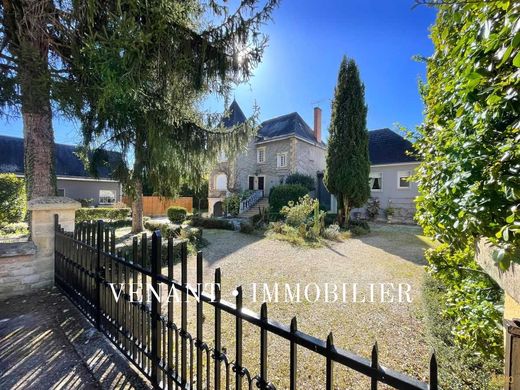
(389, 254)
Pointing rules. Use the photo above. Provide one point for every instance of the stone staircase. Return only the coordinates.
(262, 204)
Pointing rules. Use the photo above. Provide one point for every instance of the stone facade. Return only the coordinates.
(302, 157)
(25, 267)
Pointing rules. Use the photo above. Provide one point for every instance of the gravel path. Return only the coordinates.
(390, 254)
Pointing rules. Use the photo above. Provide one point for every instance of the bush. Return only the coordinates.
(472, 300)
(104, 213)
(330, 219)
(359, 230)
(362, 224)
(246, 228)
(211, 223)
(466, 370)
(177, 214)
(373, 207)
(12, 199)
(17, 228)
(281, 195)
(306, 181)
(332, 233)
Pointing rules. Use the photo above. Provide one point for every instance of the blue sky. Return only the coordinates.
(307, 40)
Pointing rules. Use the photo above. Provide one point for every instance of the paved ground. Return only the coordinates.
(45, 343)
(390, 254)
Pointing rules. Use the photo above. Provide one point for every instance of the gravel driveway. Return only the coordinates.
(389, 254)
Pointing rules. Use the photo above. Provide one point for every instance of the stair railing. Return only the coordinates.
(246, 204)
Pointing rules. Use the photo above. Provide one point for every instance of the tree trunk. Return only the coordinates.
(137, 201)
(137, 208)
(346, 211)
(39, 159)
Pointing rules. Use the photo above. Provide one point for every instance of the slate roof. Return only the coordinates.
(387, 147)
(235, 117)
(67, 163)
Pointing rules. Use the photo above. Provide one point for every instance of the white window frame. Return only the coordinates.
(373, 175)
(61, 189)
(222, 157)
(100, 197)
(402, 174)
(279, 157)
(258, 150)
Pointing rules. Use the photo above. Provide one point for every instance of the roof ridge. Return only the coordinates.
(281, 116)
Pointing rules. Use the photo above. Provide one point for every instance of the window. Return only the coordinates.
(402, 179)
(281, 160)
(107, 197)
(61, 191)
(260, 155)
(376, 181)
(221, 182)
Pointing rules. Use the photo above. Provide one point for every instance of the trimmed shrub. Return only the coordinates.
(304, 180)
(166, 229)
(104, 213)
(359, 230)
(177, 214)
(211, 223)
(12, 199)
(281, 195)
(246, 228)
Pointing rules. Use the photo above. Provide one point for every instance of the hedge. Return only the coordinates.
(12, 199)
(305, 180)
(212, 223)
(177, 214)
(283, 194)
(104, 213)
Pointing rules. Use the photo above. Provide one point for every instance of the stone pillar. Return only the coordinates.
(42, 231)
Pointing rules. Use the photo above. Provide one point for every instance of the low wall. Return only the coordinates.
(20, 270)
(27, 266)
(156, 206)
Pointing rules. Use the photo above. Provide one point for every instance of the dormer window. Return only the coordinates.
(260, 155)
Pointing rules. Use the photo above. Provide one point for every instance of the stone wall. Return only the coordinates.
(27, 266)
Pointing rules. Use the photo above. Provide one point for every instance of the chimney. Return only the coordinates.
(317, 123)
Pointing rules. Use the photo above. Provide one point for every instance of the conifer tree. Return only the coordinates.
(348, 166)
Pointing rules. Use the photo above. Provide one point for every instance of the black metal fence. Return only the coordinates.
(90, 271)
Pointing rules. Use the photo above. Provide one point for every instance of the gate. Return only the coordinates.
(91, 273)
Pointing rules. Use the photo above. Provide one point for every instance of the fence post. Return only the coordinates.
(156, 308)
(99, 248)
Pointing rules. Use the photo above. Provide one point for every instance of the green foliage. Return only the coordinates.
(12, 199)
(232, 203)
(177, 214)
(332, 232)
(469, 144)
(373, 207)
(212, 223)
(246, 228)
(348, 166)
(303, 222)
(104, 213)
(14, 229)
(330, 218)
(281, 195)
(472, 300)
(358, 230)
(463, 368)
(199, 194)
(307, 181)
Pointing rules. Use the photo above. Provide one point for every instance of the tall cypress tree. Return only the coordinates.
(348, 165)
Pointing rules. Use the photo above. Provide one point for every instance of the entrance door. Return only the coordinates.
(261, 183)
(251, 183)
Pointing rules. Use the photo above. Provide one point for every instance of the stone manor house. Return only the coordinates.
(287, 144)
